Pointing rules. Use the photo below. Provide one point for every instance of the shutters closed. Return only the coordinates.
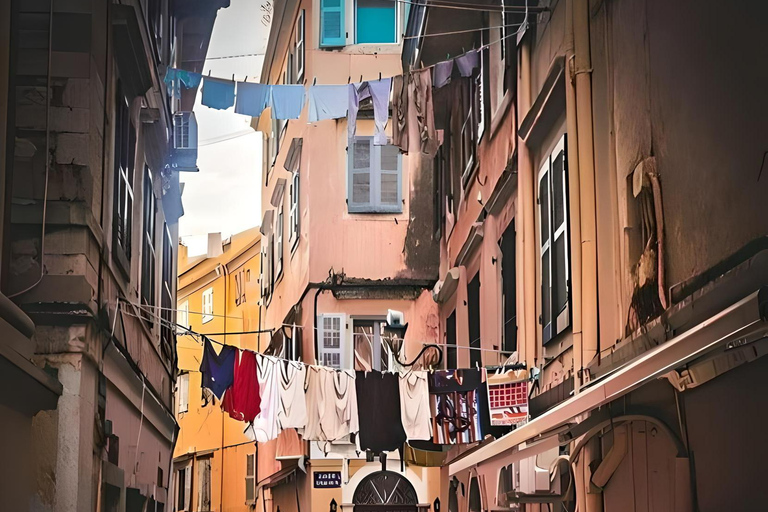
(332, 23)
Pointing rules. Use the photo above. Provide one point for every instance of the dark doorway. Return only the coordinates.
(473, 305)
(508, 290)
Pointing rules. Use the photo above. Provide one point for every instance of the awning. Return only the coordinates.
(444, 289)
(745, 320)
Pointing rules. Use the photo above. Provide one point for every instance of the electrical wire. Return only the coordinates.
(466, 31)
(440, 4)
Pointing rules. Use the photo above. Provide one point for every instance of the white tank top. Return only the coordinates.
(292, 411)
(414, 406)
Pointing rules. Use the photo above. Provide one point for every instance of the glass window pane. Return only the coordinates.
(558, 189)
(361, 187)
(375, 21)
(546, 301)
(389, 157)
(559, 275)
(362, 154)
(389, 188)
(364, 345)
(544, 208)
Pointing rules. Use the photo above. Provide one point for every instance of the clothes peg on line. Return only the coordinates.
(361, 78)
(379, 76)
(314, 81)
(349, 80)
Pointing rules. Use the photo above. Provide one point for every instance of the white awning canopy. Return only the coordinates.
(744, 320)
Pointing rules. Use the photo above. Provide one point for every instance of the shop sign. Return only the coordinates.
(327, 479)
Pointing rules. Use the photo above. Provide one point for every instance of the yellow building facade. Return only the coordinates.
(214, 462)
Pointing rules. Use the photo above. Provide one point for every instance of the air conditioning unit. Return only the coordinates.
(534, 472)
(184, 154)
(542, 478)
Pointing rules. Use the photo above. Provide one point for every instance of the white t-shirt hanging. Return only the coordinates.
(414, 406)
(339, 413)
(292, 411)
(265, 427)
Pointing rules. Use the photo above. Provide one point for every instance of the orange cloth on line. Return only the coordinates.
(242, 400)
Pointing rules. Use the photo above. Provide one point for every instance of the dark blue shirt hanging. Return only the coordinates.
(218, 369)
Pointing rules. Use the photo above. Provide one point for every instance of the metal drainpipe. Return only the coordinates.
(586, 166)
(574, 199)
(221, 479)
(588, 222)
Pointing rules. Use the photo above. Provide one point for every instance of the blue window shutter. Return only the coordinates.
(332, 23)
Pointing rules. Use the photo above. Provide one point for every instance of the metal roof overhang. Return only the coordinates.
(745, 321)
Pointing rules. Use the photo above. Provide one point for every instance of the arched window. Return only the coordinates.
(385, 490)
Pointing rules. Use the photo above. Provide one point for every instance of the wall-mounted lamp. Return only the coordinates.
(436, 505)
(395, 324)
(334, 506)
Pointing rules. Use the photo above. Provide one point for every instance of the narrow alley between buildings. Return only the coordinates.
(383, 255)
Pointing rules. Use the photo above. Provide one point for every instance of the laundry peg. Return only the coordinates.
(361, 78)
(314, 81)
(379, 76)
(233, 77)
(349, 80)
(246, 78)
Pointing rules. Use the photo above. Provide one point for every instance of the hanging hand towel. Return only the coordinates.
(328, 102)
(468, 62)
(252, 99)
(380, 94)
(218, 94)
(287, 101)
(175, 78)
(400, 112)
(443, 71)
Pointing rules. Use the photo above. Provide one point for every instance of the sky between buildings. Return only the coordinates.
(225, 195)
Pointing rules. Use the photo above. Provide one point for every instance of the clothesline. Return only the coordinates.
(202, 336)
(174, 325)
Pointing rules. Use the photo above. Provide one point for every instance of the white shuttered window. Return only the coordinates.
(332, 346)
(553, 238)
(374, 177)
(183, 392)
(208, 305)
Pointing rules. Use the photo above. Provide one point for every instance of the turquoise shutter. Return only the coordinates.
(332, 23)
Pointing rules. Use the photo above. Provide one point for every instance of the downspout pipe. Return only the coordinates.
(581, 73)
(574, 199)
